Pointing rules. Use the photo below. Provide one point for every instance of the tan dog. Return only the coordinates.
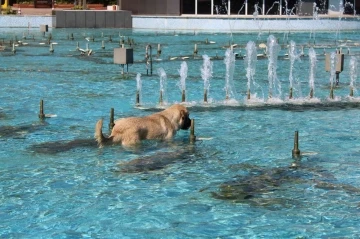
(161, 125)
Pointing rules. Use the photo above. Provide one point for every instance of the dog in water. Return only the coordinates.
(130, 131)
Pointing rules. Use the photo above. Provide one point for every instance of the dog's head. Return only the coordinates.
(185, 121)
(180, 116)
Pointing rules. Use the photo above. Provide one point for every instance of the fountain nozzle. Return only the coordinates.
(332, 92)
(137, 98)
(205, 96)
(111, 123)
(351, 91)
(41, 114)
(192, 131)
(296, 151)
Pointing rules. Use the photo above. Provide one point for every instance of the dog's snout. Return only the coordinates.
(187, 123)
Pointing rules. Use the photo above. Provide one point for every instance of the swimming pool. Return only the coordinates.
(238, 180)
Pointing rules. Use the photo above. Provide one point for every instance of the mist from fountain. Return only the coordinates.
(312, 60)
(229, 75)
(163, 82)
(206, 74)
(273, 49)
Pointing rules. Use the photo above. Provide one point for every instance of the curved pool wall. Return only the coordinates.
(238, 180)
(223, 24)
(234, 24)
(25, 21)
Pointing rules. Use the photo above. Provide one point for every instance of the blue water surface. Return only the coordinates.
(238, 180)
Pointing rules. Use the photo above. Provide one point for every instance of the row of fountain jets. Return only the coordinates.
(272, 51)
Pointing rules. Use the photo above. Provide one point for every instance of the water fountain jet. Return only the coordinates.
(183, 75)
(273, 49)
(162, 75)
(250, 63)
(312, 59)
(353, 74)
(229, 77)
(293, 56)
(138, 88)
(206, 74)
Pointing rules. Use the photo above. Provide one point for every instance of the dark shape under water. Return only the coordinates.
(156, 161)
(260, 186)
(62, 146)
(20, 131)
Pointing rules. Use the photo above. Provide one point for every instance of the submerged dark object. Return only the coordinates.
(20, 131)
(62, 146)
(153, 162)
(272, 186)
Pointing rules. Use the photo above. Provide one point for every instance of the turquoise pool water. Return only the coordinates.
(238, 180)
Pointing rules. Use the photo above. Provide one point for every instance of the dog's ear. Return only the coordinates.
(183, 114)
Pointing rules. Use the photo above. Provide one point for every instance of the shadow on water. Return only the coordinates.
(275, 187)
(159, 160)
(21, 130)
(63, 146)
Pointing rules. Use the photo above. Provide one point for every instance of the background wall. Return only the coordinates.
(92, 19)
(152, 7)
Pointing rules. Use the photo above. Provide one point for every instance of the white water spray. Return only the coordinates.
(206, 74)
(163, 79)
(138, 86)
(293, 56)
(353, 72)
(229, 77)
(183, 75)
(312, 60)
(250, 64)
(273, 49)
(332, 68)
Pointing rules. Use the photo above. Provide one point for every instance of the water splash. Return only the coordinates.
(250, 64)
(183, 75)
(229, 76)
(206, 73)
(273, 49)
(312, 60)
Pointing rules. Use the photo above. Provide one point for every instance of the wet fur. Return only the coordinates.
(131, 131)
